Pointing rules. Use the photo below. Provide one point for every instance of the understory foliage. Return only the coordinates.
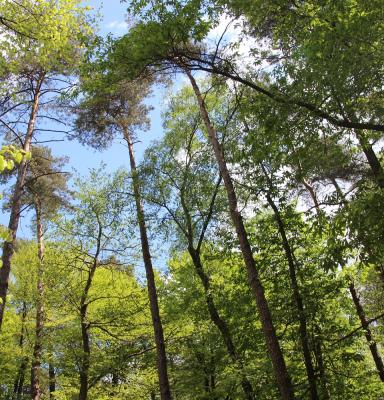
(240, 255)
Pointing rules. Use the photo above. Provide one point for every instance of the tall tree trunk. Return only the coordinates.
(19, 381)
(38, 346)
(373, 161)
(85, 360)
(165, 392)
(275, 353)
(320, 364)
(220, 323)
(8, 247)
(298, 301)
(52, 380)
(86, 356)
(368, 334)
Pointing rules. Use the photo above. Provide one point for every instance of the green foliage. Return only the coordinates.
(9, 155)
(293, 173)
(66, 31)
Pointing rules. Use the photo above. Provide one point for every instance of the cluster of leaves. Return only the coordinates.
(9, 155)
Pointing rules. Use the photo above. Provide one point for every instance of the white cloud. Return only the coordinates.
(118, 25)
(227, 25)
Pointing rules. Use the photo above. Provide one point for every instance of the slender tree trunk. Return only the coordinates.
(8, 247)
(52, 380)
(220, 323)
(85, 361)
(203, 366)
(368, 334)
(165, 392)
(86, 356)
(38, 346)
(312, 193)
(373, 161)
(359, 308)
(19, 384)
(275, 353)
(338, 190)
(320, 366)
(298, 300)
(19, 381)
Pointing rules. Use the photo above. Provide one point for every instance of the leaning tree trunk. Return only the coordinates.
(220, 323)
(38, 346)
(9, 244)
(165, 392)
(358, 306)
(298, 300)
(373, 161)
(275, 353)
(368, 334)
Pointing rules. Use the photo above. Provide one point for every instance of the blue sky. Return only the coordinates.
(113, 14)
(81, 158)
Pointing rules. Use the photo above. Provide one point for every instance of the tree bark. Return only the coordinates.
(298, 301)
(368, 334)
(8, 247)
(275, 353)
(38, 345)
(165, 392)
(373, 161)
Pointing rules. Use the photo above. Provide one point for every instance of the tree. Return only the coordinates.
(121, 111)
(47, 192)
(36, 69)
(175, 169)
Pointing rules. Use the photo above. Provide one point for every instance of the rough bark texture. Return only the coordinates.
(275, 353)
(8, 247)
(368, 334)
(38, 345)
(298, 301)
(165, 392)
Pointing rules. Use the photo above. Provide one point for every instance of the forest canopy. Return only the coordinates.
(237, 253)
